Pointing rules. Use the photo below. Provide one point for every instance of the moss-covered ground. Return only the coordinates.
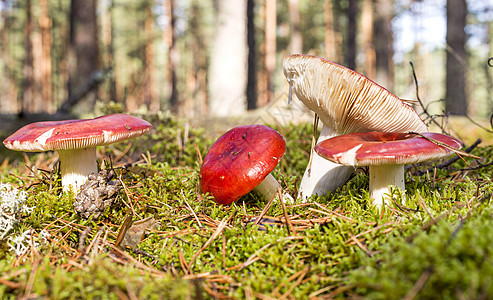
(436, 245)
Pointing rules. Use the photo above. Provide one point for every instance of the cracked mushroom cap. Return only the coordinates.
(345, 100)
(75, 134)
(239, 161)
(386, 148)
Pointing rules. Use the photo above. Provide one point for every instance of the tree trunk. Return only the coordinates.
(228, 71)
(296, 42)
(108, 63)
(196, 96)
(268, 53)
(45, 68)
(170, 42)
(330, 40)
(8, 97)
(352, 15)
(83, 56)
(456, 99)
(382, 40)
(28, 79)
(150, 98)
(366, 38)
(251, 92)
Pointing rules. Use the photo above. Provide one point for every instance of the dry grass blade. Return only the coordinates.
(314, 141)
(82, 240)
(301, 274)
(190, 208)
(253, 258)
(185, 267)
(216, 233)
(428, 225)
(360, 245)
(30, 281)
(94, 246)
(120, 154)
(286, 217)
(425, 208)
(147, 158)
(265, 210)
(328, 212)
(124, 227)
(322, 290)
(123, 257)
(199, 155)
(10, 284)
(128, 193)
(370, 230)
(419, 284)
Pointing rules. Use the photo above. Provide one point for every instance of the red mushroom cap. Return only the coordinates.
(381, 148)
(75, 134)
(239, 161)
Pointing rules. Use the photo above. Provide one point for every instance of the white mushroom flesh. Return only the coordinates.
(75, 166)
(323, 175)
(383, 177)
(270, 187)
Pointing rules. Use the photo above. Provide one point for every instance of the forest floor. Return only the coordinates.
(162, 238)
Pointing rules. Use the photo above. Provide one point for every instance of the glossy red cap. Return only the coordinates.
(240, 160)
(381, 148)
(75, 134)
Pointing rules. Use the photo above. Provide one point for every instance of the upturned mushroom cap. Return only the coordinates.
(75, 134)
(239, 161)
(385, 148)
(345, 100)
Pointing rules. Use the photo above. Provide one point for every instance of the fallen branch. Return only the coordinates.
(450, 161)
(419, 99)
(441, 144)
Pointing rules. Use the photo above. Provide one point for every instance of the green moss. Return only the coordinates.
(337, 243)
(100, 279)
(452, 260)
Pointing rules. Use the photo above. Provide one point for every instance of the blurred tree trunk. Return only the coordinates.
(83, 57)
(456, 99)
(196, 97)
(151, 100)
(488, 66)
(28, 74)
(107, 40)
(251, 92)
(382, 40)
(45, 66)
(352, 16)
(296, 42)
(169, 36)
(228, 71)
(8, 97)
(331, 41)
(267, 54)
(366, 38)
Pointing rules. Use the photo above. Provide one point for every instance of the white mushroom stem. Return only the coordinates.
(381, 179)
(323, 175)
(75, 166)
(270, 187)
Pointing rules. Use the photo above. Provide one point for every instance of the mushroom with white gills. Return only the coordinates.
(240, 161)
(76, 142)
(386, 153)
(346, 102)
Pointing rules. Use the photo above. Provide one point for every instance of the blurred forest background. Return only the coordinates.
(209, 58)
